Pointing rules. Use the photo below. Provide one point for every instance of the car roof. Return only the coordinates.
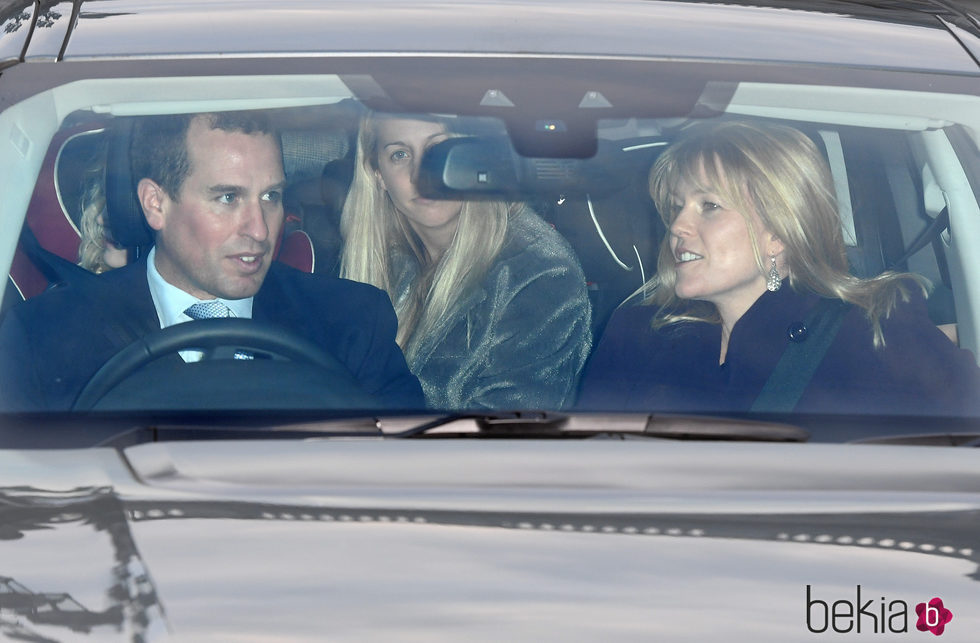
(908, 35)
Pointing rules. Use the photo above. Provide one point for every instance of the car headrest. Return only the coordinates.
(335, 182)
(126, 221)
(296, 250)
(79, 161)
(54, 213)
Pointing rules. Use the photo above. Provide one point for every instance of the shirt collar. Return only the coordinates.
(171, 302)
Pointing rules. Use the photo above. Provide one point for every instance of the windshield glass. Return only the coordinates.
(468, 235)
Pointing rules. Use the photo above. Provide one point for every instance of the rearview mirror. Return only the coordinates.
(489, 167)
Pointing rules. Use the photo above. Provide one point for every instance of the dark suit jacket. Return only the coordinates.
(918, 371)
(51, 345)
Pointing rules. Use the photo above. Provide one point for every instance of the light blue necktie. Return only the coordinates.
(210, 310)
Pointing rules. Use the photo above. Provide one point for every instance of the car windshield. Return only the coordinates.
(317, 236)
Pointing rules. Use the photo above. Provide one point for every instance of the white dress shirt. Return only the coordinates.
(171, 302)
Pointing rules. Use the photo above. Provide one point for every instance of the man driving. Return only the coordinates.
(210, 187)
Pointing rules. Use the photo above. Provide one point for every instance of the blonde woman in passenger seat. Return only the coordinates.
(492, 305)
(754, 250)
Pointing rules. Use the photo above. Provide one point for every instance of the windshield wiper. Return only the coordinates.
(80, 430)
(544, 424)
(947, 439)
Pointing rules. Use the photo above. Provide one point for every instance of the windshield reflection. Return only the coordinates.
(109, 587)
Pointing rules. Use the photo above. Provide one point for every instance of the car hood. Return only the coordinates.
(525, 540)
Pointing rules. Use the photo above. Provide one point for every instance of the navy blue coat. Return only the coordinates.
(675, 368)
(51, 345)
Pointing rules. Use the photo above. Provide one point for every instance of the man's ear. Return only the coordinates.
(152, 198)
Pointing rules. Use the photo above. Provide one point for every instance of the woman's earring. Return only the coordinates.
(773, 281)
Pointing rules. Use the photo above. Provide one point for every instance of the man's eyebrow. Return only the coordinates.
(225, 189)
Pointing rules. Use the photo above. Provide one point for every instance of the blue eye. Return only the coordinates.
(399, 155)
(228, 198)
(708, 206)
(272, 196)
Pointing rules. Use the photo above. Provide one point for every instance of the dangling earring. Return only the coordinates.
(773, 281)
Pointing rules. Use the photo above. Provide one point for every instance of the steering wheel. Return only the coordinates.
(299, 372)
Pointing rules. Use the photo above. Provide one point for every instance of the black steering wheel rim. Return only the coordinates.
(206, 335)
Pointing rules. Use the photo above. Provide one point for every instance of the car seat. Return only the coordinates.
(47, 252)
(613, 227)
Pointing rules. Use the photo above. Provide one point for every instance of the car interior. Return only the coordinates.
(900, 160)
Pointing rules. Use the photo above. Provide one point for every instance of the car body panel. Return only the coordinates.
(437, 540)
(50, 31)
(373, 538)
(837, 34)
(15, 29)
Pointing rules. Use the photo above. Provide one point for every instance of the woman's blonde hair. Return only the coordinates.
(374, 230)
(780, 174)
(92, 246)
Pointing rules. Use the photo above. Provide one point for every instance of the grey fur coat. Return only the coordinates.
(518, 341)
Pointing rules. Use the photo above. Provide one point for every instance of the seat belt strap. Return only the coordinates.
(800, 359)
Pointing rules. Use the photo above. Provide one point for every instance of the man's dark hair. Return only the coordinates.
(159, 146)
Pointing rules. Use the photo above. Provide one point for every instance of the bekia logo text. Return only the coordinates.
(878, 617)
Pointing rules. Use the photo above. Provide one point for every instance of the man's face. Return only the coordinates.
(217, 238)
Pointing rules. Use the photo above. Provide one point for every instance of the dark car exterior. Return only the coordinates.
(318, 524)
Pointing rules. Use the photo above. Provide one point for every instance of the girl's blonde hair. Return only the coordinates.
(91, 249)
(780, 174)
(374, 231)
